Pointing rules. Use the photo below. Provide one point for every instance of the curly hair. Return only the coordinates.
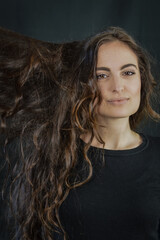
(46, 102)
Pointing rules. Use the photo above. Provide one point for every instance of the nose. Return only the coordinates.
(117, 84)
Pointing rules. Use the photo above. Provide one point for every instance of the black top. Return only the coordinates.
(122, 199)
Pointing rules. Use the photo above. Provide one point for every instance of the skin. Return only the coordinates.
(115, 82)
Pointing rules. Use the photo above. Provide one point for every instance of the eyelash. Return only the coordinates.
(130, 72)
(102, 74)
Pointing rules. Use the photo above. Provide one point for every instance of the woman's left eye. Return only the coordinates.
(129, 73)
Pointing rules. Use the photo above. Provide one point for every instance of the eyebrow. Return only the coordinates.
(124, 66)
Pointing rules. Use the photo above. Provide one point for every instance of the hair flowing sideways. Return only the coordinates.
(47, 95)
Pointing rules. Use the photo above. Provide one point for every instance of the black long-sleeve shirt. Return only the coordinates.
(122, 200)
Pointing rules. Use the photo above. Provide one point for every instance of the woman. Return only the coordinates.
(83, 170)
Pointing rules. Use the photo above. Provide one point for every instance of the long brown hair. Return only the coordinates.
(47, 101)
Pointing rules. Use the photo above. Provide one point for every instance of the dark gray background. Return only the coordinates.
(68, 20)
(60, 21)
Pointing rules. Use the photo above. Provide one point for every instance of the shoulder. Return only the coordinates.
(153, 142)
(155, 139)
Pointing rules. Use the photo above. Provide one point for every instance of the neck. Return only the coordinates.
(116, 134)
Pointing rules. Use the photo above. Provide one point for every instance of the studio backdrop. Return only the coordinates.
(68, 20)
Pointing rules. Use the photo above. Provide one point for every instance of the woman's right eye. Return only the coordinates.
(101, 76)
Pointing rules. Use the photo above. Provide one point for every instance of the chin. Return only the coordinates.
(113, 115)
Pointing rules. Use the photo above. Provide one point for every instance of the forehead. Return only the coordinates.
(116, 52)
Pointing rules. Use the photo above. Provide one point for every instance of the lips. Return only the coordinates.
(118, 99)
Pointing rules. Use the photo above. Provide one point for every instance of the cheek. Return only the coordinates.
(104, 90)
(136, 89)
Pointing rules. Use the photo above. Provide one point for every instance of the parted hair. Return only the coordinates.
(47, 95)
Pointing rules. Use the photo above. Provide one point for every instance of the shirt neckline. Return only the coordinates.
(135, 150)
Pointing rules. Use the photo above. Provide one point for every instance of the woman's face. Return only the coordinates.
(118, 77)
